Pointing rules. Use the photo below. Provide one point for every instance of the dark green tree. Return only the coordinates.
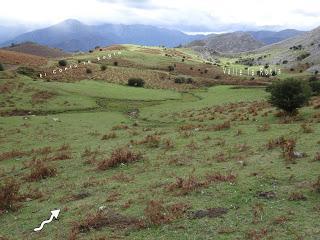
(289, 95)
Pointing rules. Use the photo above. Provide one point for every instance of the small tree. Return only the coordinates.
(63, 63)
(136, 82)
(289, 95)
(1, 67)
(88, 71)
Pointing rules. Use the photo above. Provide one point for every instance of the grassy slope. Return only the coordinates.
(161, 112)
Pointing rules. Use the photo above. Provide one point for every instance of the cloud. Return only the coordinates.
(143, 4)
(187, 15)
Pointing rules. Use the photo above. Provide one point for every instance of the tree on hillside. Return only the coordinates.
(1, 67)
(289, 95)
(63, 63)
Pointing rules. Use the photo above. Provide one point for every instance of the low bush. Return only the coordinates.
(30, 72)
(88, 71)
(136, 82)
(182, 79)
(63, 63)
(1, 67)
(103, 67)
(315, 87)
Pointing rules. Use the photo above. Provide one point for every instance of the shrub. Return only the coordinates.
(103, 67)
(171, 68)
(303, 56)
(315, 87)
(182, 79)
(289, 95)
(136, 82)
(115, 63)
(63, 63)
(1, 67)
(88, 70)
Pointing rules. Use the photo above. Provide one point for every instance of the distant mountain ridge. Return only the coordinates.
(72, 35)
(270, 37)
(237, 42)
(227, 43)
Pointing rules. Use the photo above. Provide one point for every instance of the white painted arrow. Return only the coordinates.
(54, 214)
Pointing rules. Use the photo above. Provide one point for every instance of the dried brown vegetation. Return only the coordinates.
(9, 195)
(40, 170)
(157, 214)
(119, 156)
(101, 219)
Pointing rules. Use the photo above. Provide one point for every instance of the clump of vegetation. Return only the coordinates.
(9, 195)
(108, 136)
(63, 63)
(103, 67)
(1, 67)
(303, 56)
(183, 79)
(289, 95)
(152, 141)
(184, 186)
(107, 218)
(171, 68)
(314, 83)
(119, 156)
(40, 170)
(136, 82)
(88, 71)
(299, 47)
(157, 214)
(30, 72)
(115, 63)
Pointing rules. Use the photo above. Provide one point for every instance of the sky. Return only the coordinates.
(185, 15)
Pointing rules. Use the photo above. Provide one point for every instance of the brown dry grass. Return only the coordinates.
(9, 195)
(40, 170)
(15, 58)
(119, 156)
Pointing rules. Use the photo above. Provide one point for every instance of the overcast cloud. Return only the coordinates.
(186, 15)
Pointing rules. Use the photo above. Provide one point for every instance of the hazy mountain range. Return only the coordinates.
(72, 35)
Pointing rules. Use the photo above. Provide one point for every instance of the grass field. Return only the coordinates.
(142, 163)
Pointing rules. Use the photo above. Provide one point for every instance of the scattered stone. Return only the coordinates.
(101, 208)
(299, 154)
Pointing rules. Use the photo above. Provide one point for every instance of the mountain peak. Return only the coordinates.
(71, 22)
